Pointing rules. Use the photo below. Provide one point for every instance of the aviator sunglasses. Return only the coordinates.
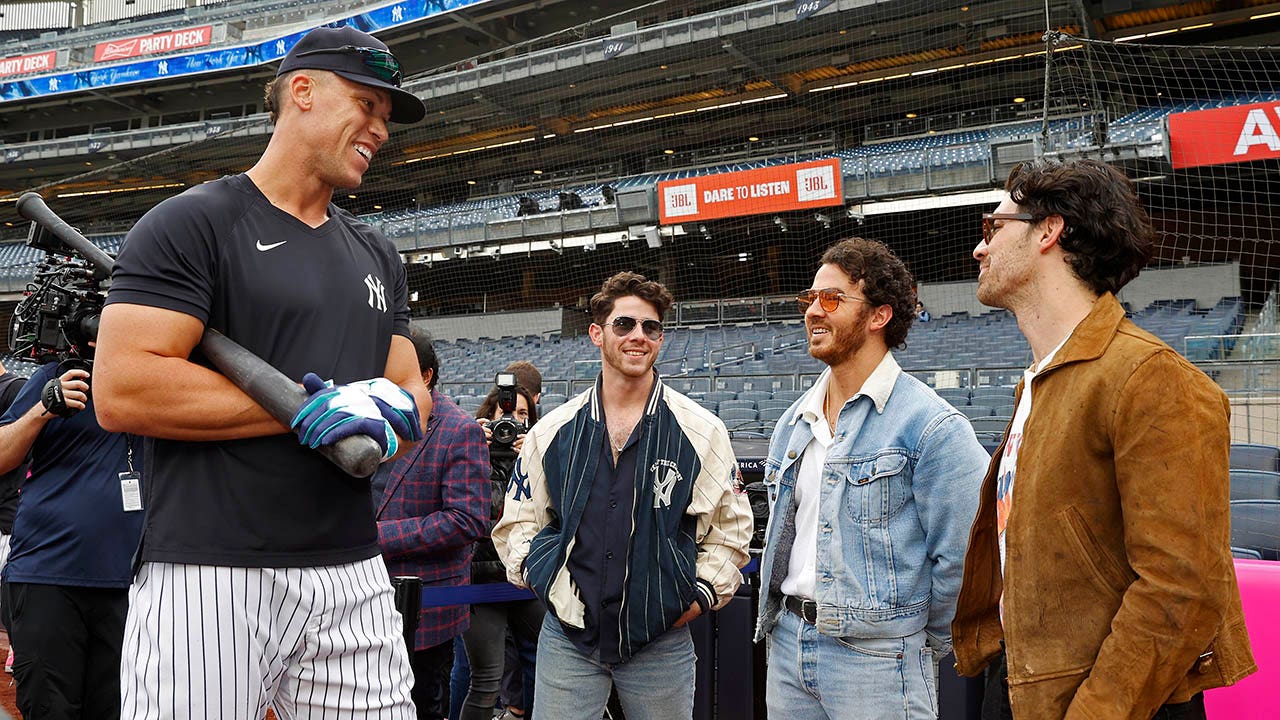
(623, 325)
(989, 222)
(381, 63)
(828, 298)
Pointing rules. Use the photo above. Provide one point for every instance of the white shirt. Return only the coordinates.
(802, 577)
(1009, 459)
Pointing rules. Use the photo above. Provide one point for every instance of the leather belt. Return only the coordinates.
(807, 610)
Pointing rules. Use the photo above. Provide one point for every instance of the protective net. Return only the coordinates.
(721, 150)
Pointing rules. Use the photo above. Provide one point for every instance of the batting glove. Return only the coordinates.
(332, 413)
(397, 405)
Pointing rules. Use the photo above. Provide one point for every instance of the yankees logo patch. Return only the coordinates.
(520, 489)
(665, 478)
(377, 293)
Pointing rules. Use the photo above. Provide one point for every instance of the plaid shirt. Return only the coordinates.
(433, 509)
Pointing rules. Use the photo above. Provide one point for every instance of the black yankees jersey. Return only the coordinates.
(325, 300)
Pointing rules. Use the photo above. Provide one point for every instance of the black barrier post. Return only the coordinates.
(408, 589)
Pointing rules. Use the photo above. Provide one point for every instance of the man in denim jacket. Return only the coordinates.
(868, 523)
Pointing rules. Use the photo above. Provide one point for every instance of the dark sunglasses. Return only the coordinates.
(381, 63)
(989, 222)
(623, 325)
(828, 298)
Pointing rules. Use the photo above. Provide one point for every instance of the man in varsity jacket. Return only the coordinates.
(624, 517)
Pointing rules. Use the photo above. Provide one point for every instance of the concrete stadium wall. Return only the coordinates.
(1206, 284)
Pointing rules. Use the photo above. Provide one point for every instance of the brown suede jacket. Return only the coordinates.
(1119, 588)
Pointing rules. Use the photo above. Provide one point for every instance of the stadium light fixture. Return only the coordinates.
(537, 172)
(668, 151)
(911, 116)
(471, 182)
(377, 207)
(753, 138)
(351, 197)
(1019, 99)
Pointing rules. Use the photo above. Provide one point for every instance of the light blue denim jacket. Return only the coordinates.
(899, 492)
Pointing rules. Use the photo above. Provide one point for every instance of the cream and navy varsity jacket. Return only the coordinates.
(686, 467)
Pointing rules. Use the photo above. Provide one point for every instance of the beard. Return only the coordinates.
(615, 357)
(843, 342)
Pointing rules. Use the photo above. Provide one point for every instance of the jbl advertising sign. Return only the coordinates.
(751, 192)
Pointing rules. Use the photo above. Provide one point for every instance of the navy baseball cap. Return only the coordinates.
(358, 57)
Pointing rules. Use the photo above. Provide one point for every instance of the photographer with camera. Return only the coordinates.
(65, 591)
(507, 412)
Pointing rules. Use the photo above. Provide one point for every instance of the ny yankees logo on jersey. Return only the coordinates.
(520, 489)
(665, 478)
(377, 294)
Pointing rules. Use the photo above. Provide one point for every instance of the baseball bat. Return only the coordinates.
(358, 455)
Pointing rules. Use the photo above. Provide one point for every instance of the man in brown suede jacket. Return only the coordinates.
(1110, 593)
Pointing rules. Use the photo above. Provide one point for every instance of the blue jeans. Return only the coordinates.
(816, 677)
(655, 684)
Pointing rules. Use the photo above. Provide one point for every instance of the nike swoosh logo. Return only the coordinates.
(265, 248)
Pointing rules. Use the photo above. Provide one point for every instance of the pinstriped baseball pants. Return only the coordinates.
(227, 642)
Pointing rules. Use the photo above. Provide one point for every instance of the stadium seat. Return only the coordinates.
(1247, 456)
(955, 396)
(734, 417)
(1245, 553)
(737, 405)
(720, 396)
(764, 406)
(1255, 485)
(994, 424)
(770, 416)
(976, 411)
(984, 393)
(1255, 525)
(756, 396)
(789, 396)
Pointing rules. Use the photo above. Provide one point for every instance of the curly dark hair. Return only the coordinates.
(1107, 235)
(885, 281)
(628, 283)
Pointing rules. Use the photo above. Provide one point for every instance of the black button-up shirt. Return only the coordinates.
(598, 562)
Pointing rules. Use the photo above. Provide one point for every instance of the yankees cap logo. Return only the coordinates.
(666, 475)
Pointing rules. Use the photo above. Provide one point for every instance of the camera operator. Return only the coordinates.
(65, 591)
(507, 412)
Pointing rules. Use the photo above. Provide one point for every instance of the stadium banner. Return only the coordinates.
(22, 64)
(152, 44)
(1241, 133)
(221, 59)
(780, 188)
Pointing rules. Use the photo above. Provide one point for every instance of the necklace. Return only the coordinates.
(826, 411)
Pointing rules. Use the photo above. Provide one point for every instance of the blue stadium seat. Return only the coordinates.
(993, 424)
(976, 411)
(736, 416)
(1248, 456)
(1255, 525)
(1255, 485)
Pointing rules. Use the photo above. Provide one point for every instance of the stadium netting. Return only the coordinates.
(722, 152)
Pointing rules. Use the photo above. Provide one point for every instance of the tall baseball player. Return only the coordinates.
(260, 582)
